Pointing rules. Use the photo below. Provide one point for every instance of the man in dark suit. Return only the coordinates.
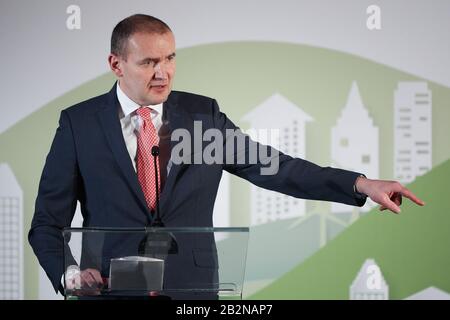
(101, 157)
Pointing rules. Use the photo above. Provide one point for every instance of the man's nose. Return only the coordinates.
(159, 71)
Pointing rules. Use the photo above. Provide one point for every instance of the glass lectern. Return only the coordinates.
(154, 263)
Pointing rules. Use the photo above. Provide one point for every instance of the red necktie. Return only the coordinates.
(146, 139)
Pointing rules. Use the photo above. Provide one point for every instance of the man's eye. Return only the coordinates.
(148, 63)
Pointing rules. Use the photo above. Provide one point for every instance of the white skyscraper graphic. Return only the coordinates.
(289, 120)
(11, 235)
(354, 143)
(412, 130)
(46, 290)
(221, 213)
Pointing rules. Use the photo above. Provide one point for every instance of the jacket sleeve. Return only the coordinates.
(55, 203)
(270, 169)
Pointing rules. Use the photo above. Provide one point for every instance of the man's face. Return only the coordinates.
(146, 73)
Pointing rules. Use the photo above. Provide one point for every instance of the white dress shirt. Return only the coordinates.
(130, 121)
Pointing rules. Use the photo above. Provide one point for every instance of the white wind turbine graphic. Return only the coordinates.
(320, 209)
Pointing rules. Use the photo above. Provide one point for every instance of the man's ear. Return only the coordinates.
(114, 64)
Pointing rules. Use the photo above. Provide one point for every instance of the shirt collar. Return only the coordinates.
(129, 106)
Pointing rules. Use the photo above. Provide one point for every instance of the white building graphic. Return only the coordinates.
(412, 130)
(430, 293)
(369, 284)
(288, 120)
(355, 143)
(11, 235)
(221, 213)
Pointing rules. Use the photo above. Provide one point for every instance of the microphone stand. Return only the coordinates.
(157, 222)
(156, 243)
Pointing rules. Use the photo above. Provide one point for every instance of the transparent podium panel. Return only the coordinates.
(165, 263)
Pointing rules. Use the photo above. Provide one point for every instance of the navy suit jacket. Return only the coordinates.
(89, 162)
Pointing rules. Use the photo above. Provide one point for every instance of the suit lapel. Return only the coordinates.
(110, 122)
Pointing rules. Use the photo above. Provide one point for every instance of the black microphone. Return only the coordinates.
(157, 222)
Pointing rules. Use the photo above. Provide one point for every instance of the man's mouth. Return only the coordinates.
(158, 86)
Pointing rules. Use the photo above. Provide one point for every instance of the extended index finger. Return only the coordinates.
(408, 193)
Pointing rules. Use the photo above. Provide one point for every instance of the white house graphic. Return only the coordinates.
(11, 231)
(289, 120)
(369, 284)
(430, 293)
(412, 130)
(355, 143)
